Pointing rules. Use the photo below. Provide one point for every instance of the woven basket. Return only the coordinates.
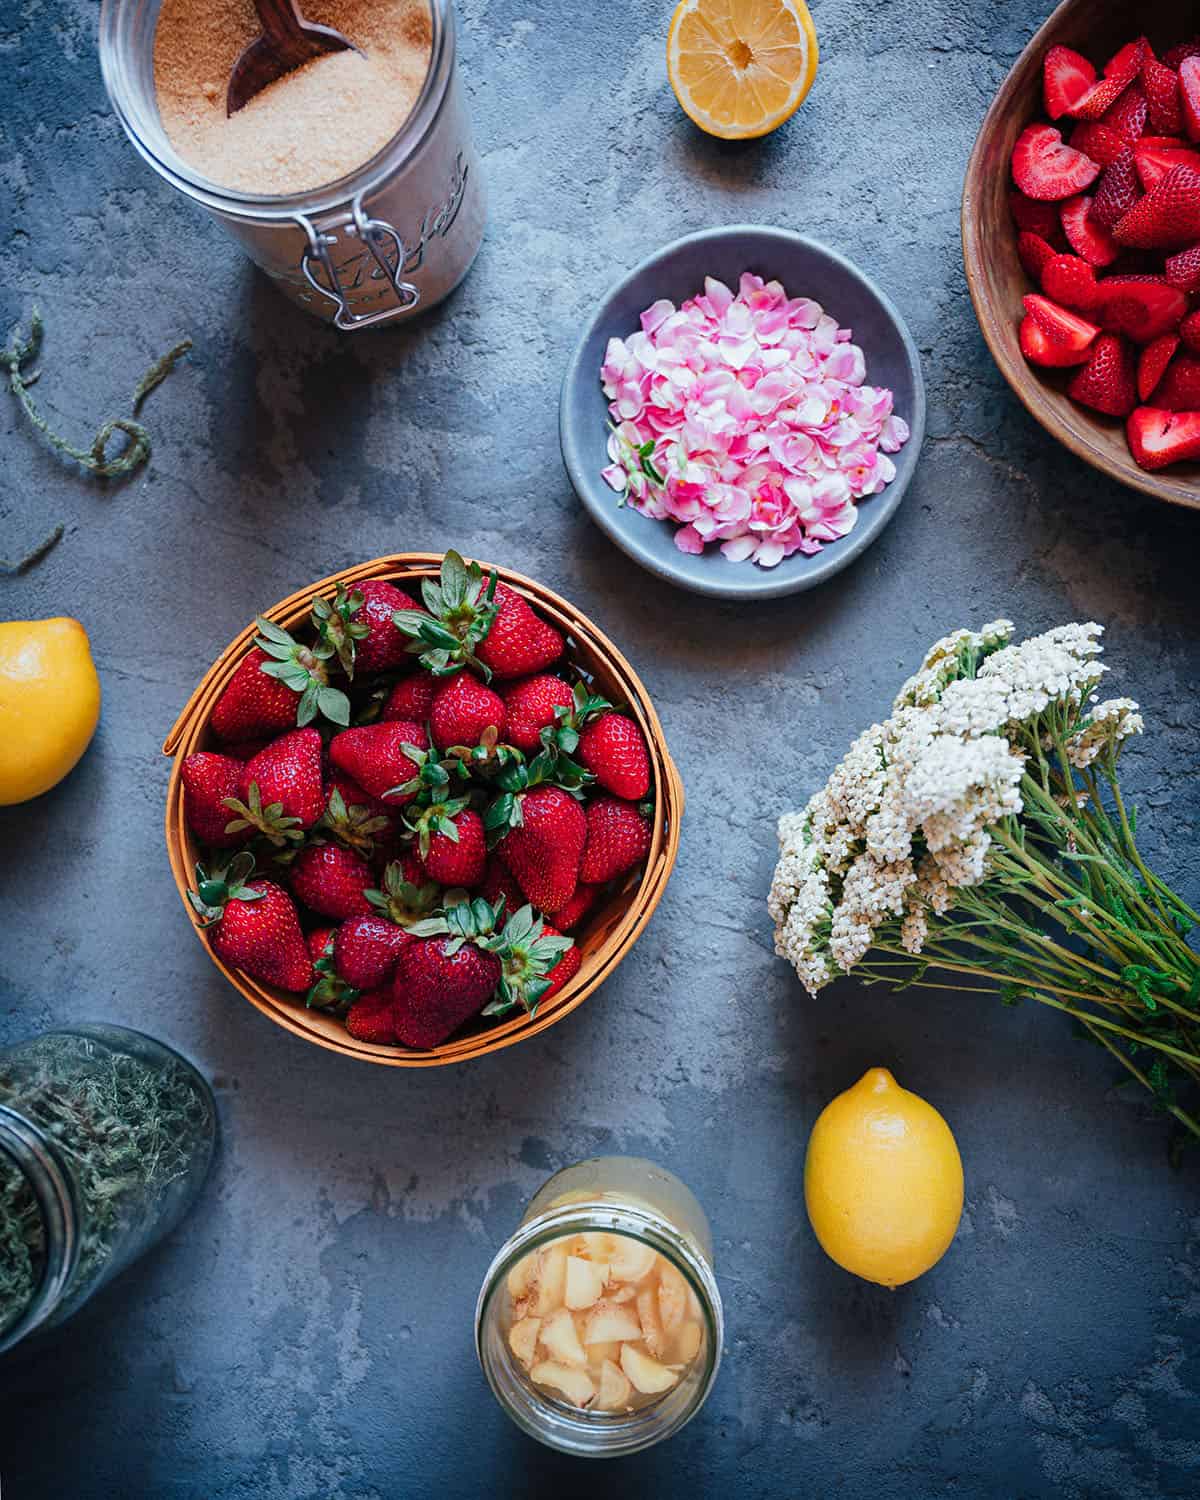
(608, 932)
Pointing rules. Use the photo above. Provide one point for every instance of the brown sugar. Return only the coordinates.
(312, 126)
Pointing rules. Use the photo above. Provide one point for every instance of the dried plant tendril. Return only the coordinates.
(127, 1130)
(95, 459)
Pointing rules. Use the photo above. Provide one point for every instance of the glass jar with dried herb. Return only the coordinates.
(106, 1137)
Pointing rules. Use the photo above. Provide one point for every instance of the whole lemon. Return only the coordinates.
(49, 704)
(883, 1181)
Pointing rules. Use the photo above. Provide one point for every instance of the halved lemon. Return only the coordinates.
(740, 68)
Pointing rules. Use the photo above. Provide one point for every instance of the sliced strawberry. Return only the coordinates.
(1183, 50)
(1066, 77)
(1107, 383)
(1179, 389)
(1045, 169)
(1117, 191)
(1060, 326)
(1086, 237)
(1100, 98)
(1189, 91)
(1069, 280)
(1154, 360)
(1128, 115)
(1129, 61)
(1158, 438)
(1098, 141)
(1039, 349)
(1163, 106)
(1154, 157)
(1141, 307)
(1034, 253)
(1168, 217)
(1189, 331)
(1182, 270)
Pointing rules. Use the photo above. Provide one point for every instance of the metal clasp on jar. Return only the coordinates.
(387, 250)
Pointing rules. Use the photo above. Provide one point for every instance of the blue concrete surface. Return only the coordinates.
(306, 1335)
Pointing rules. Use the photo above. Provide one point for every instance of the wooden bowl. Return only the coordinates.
(995, 276)
(608, 932)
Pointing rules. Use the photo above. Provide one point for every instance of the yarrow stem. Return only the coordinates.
(982, 831)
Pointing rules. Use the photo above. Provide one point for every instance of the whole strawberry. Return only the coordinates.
(383, 647)
(565, 969)
(319, 942)
(618, 838)
(332, 880)
(543, 851)
(370, 1019)
(614, 749)
(252, 925)
(463, 710)
(254, 704)
(208, 779)
(519, 641)
(280, 790)
(374, 755)
(498, 880)
(365, 950)
(412, 698)
(531, 952)
(568, 917)
(443, 979)
(530, 706)
(456, 854)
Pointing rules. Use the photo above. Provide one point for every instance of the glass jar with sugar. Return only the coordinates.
(352, 182)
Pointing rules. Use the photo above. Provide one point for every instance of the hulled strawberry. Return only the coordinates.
(1107, 383)
(1117, 191)
(1183, 270)
(1158, 438)
(545, 846)
(365, 950)
(252, 924)
(332, 880)
(1153, 362)
(280, 790)
(375, 756)
(1035, 254)
(618, 838)
(412, 698)
(1161, 86)
(445, 975)
(372, 1019)
(533, 703)
(613, 749)
(1066, 76)
(1179, 388)
(1168, 217)
(463, 710)
(208, 781)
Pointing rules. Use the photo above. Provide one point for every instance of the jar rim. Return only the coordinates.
(325, 198)
(555, 1423)
(30, 1149)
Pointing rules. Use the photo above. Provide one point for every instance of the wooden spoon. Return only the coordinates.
(287, 42)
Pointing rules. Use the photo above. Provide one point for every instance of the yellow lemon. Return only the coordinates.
(883, 1181)
(49, 704)
(739, 68)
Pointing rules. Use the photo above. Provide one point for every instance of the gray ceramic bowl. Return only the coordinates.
(806, 269)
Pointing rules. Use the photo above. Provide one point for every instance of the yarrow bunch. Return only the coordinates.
(745, 419)
(981, 829)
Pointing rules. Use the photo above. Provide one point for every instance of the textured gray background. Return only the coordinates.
(307, 1334)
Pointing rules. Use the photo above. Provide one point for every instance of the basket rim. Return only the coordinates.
(288, 1011)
